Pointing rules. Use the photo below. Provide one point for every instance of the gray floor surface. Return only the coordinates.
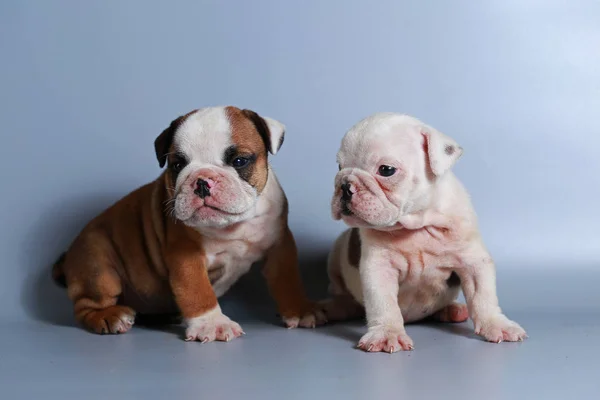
(48, 356)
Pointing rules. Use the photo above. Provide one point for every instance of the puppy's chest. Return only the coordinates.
(424, 254)
(241, 247)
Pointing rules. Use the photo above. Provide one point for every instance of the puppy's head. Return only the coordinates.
(388, 165)
(217, 164)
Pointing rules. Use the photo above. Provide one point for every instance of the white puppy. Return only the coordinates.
(414, 240)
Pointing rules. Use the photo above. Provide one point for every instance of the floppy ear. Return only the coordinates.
(271, 131)
(163, 142)
(442, 150)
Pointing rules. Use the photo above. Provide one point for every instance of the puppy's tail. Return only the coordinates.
(58, 274)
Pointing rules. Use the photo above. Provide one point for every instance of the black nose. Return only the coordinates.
(346, 193)
(202, 188)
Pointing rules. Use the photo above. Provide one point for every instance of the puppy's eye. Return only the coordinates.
(178, 164)
(386, 170)
(240, 162)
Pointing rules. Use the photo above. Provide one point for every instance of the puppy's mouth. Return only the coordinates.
(217, 209)
(345, 209)
(355, 221)
(348, 215)
(209, 212)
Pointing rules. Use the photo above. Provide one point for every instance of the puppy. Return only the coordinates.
(414, 240)
(175, 245)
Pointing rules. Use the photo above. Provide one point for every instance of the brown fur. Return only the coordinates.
(134, 255)
(262, 128)
(283, 275)
(248, 142)
(354, 247)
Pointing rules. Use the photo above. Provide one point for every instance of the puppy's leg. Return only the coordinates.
(341, 305)
(342, 308)
(196, 299)
(384, 318)
(94, 287)
(455, 312)
(285, 285)
(478, 278)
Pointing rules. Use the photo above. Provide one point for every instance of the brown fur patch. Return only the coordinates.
(134, 255)
(282, 274)
(354, 247)
(249, 142)
(188, 276)
(262, 128)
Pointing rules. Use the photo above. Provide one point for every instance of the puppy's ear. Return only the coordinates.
(442, 150)
(271, 131)
(163, 142)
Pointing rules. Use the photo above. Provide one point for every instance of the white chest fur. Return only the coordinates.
(421, 262)
(231, 252)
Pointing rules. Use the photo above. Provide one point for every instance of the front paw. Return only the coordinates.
(212, 326)
(310, 318)
(500, 328)
(388, 338)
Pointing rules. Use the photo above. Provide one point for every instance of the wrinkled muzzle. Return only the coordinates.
(359, 200)
(212, 197)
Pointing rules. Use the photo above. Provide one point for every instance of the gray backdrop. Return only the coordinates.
(87, 86)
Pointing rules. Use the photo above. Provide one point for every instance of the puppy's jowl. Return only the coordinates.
(414, 240)
(178, 243)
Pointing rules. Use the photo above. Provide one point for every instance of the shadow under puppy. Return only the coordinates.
(414, 240)
(178, 243)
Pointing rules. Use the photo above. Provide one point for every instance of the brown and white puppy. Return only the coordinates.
(176, 244)
(414, 240)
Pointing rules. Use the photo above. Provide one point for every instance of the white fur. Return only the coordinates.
(212, 325)
(416, 227)
(204, 136)
(238, 248)
(277, 130)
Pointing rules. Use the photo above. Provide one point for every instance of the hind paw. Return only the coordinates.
(111, 320)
